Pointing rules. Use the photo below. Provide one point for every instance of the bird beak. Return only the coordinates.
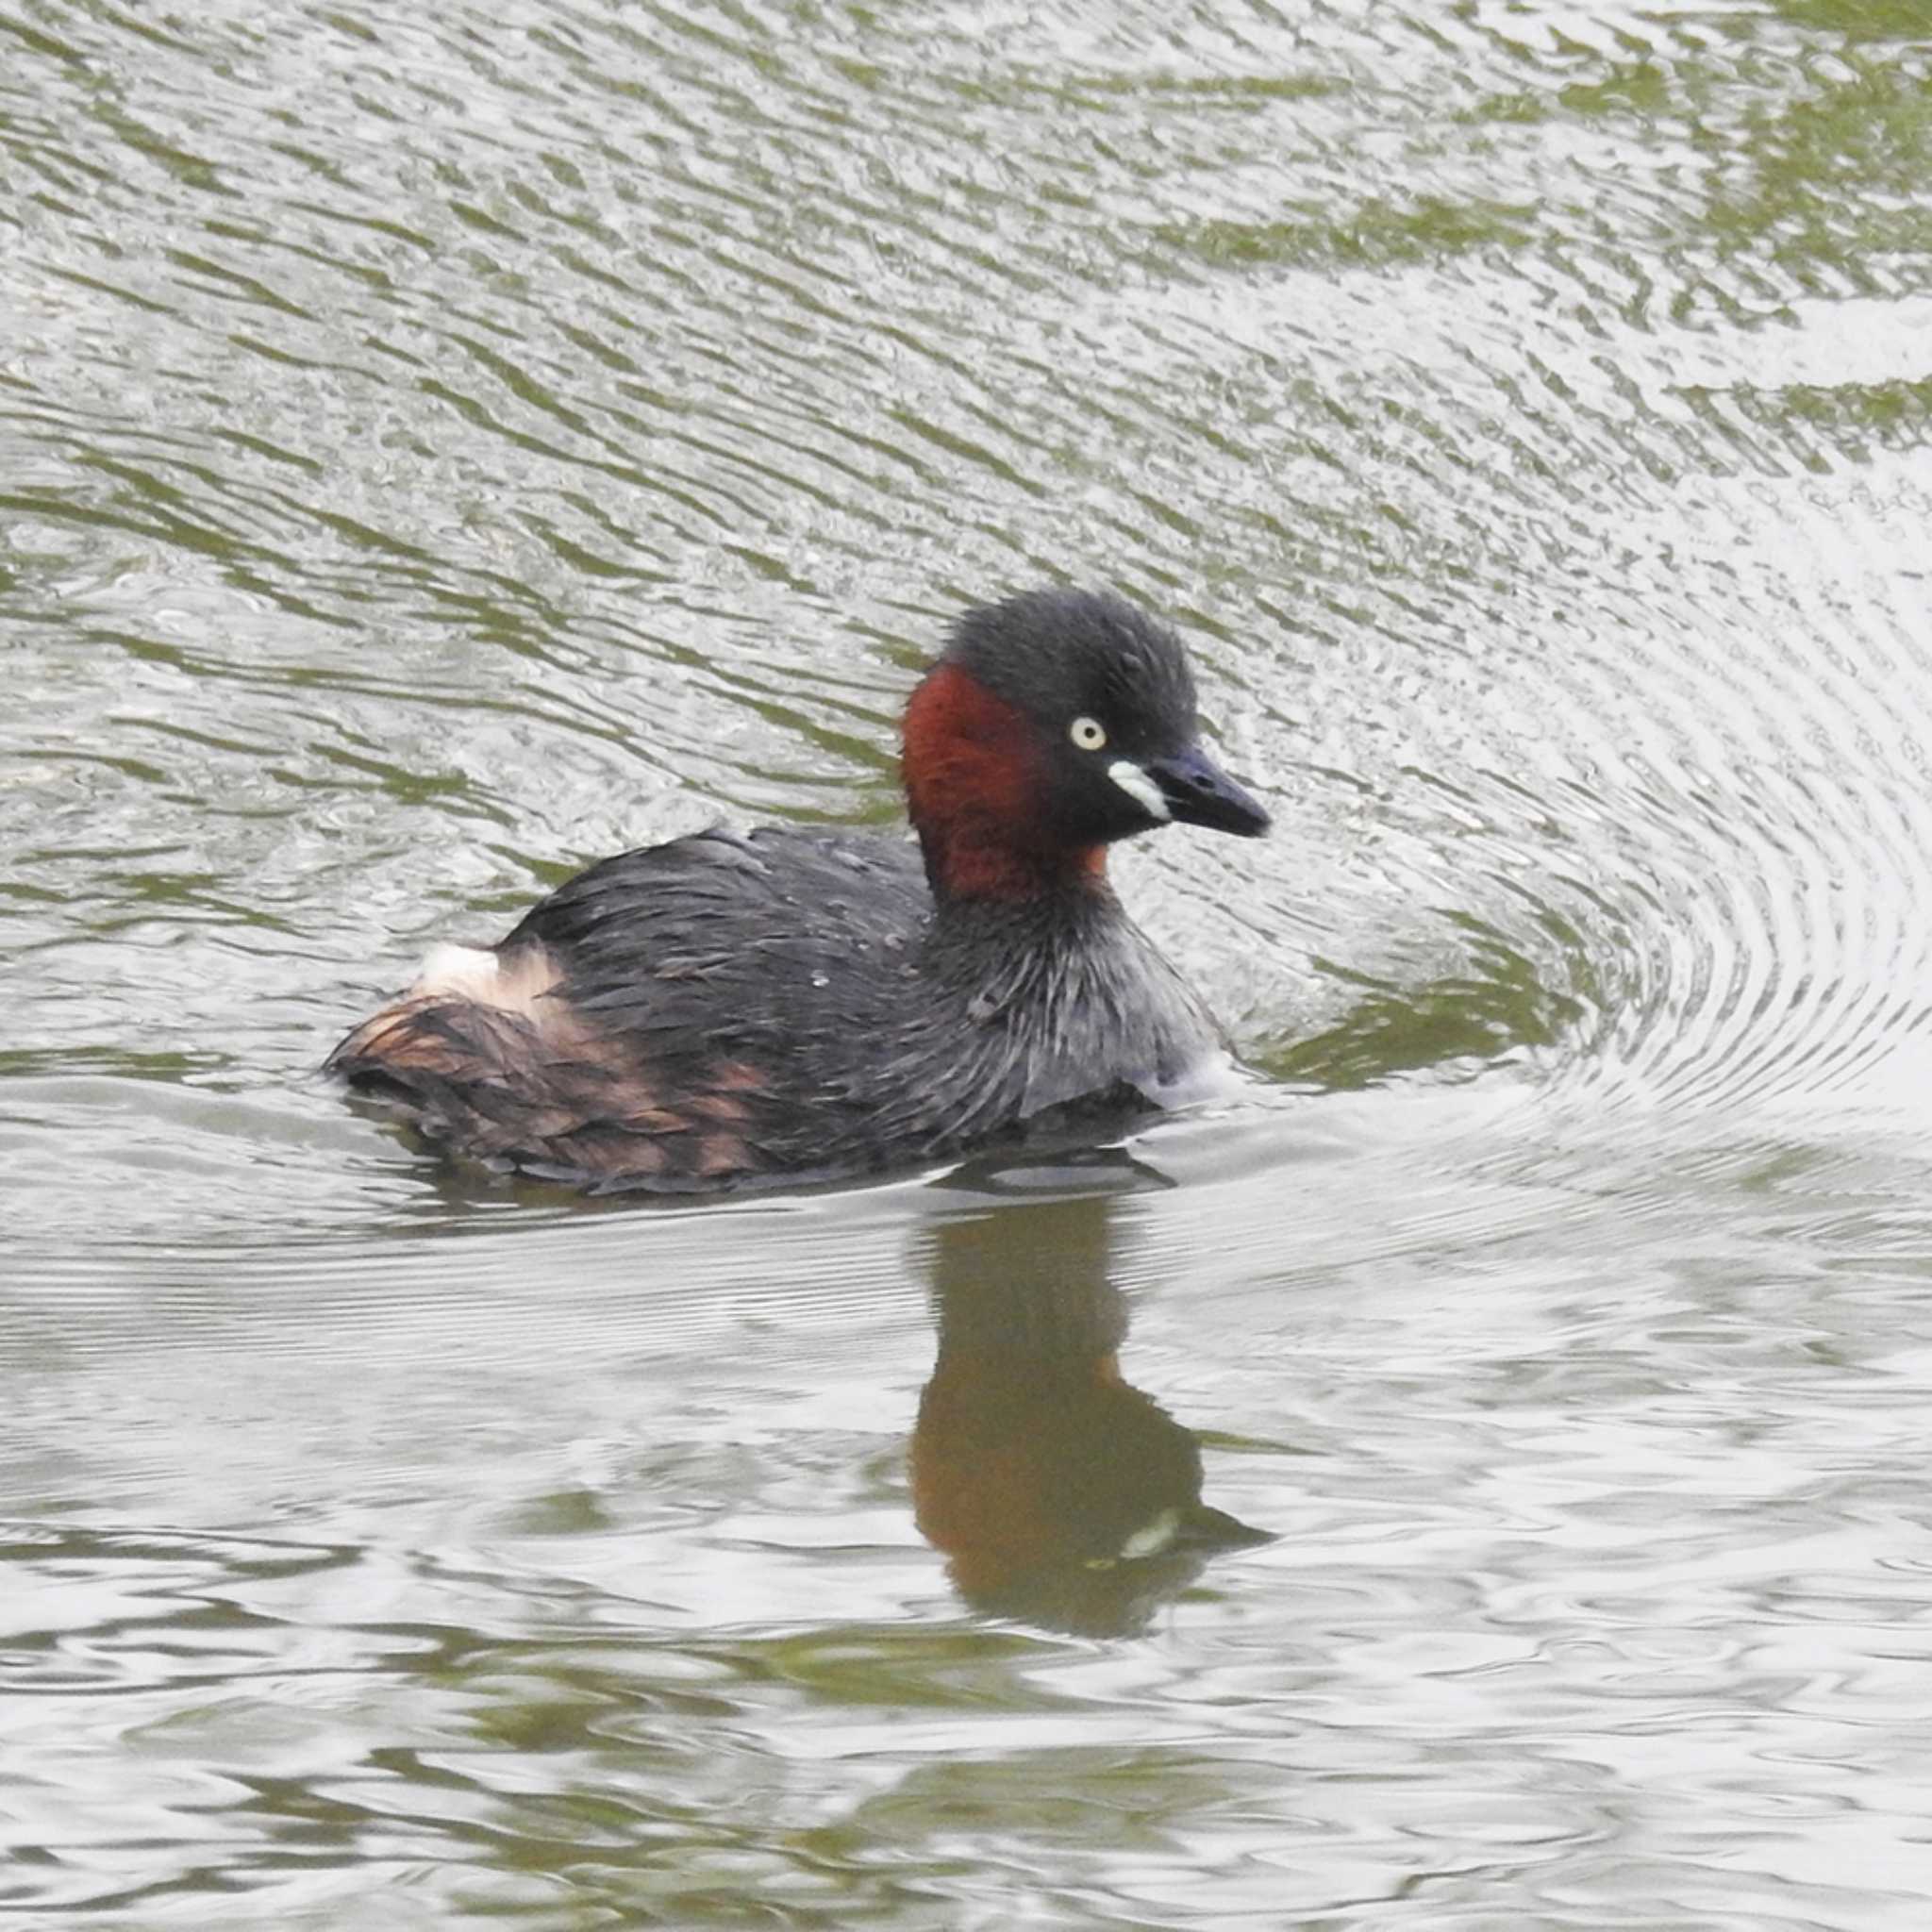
(1198, 792)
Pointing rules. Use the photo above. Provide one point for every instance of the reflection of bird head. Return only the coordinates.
(1061, 1495)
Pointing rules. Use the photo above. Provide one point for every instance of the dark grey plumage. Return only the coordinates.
(723, 1009)
(789, 1002)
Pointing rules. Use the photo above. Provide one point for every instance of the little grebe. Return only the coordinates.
(799, 1004)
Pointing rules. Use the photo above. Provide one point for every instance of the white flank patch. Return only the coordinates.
(1139, 787)
(467, 973)
(458, 971)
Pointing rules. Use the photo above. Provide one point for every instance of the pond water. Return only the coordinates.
(442, 446)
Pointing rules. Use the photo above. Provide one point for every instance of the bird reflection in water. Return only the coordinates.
(1061, 1495)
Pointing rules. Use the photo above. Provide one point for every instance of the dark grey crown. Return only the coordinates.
(1063, 653)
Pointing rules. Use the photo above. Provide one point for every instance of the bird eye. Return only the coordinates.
(1090, 733)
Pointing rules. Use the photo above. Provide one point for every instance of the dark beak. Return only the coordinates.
(1204, 1528)
(1199, 793)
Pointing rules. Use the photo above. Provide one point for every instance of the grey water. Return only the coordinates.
(1475, 1477)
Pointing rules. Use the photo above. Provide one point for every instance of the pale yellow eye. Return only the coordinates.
(1090, 733)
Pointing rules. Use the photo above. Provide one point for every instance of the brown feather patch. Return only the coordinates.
(490, 1057)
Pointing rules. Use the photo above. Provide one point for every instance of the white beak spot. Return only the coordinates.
(1140, 787)
(1153, 1537)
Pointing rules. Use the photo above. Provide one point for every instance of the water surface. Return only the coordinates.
(436, 452)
